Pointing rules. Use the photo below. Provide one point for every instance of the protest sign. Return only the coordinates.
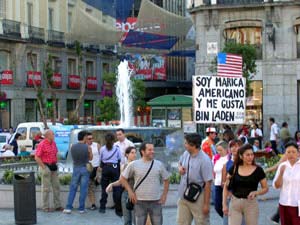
(219, 99)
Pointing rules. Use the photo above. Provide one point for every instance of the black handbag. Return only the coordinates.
(193, 190)
(129, 204)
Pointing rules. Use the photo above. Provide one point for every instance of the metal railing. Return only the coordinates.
(11, 28)
(56, 36)
(238, 2)
(36, 33)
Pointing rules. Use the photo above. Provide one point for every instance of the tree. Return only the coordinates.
(74, 116)
(248, 52)
(109, 108)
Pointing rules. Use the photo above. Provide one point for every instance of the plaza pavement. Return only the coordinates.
(267, 205)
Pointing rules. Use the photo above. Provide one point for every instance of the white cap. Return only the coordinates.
(211, 130)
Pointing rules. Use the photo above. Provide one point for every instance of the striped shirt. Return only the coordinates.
(47, 151)
(150, 189)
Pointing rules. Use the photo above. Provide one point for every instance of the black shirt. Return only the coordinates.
(14, 143)
(243, 185)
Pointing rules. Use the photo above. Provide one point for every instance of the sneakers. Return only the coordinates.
(59, 209)
(273, 220)
(67, 211)
(82, 211)
(93, 207)
(101, 210)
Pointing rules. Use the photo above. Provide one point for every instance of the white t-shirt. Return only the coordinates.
(290, 190)
(273, 132)
(256, 131)
(218, 169)
(123, 145)
(96, 155)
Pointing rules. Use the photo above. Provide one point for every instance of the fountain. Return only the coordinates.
(124, 94)
(168, 142)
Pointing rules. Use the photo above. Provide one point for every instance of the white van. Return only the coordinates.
(28, 131)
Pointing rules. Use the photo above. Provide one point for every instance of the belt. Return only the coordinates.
(114, 165)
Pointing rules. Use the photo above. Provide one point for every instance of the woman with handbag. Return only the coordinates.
(130, 154)
(243, 179)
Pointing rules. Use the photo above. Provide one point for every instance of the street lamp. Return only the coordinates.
(270, 31)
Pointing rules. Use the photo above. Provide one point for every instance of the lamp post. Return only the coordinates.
(270, 31)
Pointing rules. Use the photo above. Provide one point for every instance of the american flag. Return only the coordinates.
(230, 65)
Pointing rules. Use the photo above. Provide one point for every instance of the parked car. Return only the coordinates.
(4, 138)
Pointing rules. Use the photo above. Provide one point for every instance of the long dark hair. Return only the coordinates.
(238, 160)
(109, 141)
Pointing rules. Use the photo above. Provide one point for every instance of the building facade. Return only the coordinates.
(273, 28)
(31, 31)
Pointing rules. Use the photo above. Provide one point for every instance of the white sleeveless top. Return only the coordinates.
(96, 155)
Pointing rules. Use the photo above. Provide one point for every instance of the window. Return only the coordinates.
(31, 110)
(254, 102)
(159, 117)
(71, 104)
(29, 14)
(23, 132)
(246, 35)
(298, 41)
(90, 71)
(50, 18)
(69, 21)
(105, 67)
(32, 60)
(88, 108)
(56, 64)
(2, 8)
(72, 66)
(4, 60)
(33, 131)
(49, 106)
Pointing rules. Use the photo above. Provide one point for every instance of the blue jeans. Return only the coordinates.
(143, 208)
(218, 198)
(80, 177)
(127, 214)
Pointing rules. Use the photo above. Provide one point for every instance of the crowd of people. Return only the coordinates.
(221, 168)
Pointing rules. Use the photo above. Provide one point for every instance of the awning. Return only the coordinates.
(87, 28)
(154, 19)
(172, 100)
(243, 23)
(183, 53)
(148, 40)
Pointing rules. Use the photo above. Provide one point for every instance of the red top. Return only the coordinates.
(47, 151)
(206, 147)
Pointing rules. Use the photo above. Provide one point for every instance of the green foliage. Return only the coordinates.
(271, 162)
(139, 93)
(8, 176)
(174, 178)
(248, 52)
(110, 78)
(65, 179)
(108, 109)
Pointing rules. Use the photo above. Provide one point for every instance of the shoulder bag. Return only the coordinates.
(129, 204)
(193, 190)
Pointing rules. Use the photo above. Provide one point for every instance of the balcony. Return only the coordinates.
(56, 38)
(298, 49)
(11, 28)
(92, 48)
(239, 2)
(36, 35)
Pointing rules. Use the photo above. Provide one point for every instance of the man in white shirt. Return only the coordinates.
(123, 143)
(274, 136)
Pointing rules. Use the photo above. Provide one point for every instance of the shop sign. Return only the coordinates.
(144, 74)
(160, 74)
(34, 77)
(7, 77)
(57, 80)
(91, 83)
(74, 81)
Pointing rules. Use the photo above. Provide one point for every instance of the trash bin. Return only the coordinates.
(24, 197)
